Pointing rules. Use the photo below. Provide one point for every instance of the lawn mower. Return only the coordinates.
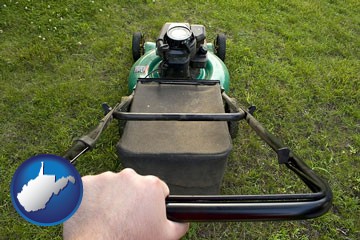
(178, 123)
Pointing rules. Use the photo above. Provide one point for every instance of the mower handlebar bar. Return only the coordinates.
(179, 116)
(259, 211)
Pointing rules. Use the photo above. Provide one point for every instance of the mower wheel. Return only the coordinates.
(137, 45)
(220, 46)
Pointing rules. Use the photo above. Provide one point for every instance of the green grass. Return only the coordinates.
(297, 61)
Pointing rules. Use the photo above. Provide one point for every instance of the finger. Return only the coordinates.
(165, 188)
(159, 183)
(127, 176)
(128, 171)
(176, 230)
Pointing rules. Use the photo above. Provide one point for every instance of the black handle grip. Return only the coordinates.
(259, 211)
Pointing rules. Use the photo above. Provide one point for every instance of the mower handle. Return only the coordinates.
(228, 207)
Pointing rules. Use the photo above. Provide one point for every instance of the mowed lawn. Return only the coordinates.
(297, 61)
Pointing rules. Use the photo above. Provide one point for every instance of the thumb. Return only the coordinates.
(176, 230)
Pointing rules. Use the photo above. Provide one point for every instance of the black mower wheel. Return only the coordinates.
(137, 45)
(220, 46)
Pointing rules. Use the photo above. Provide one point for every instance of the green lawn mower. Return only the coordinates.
(178, 123)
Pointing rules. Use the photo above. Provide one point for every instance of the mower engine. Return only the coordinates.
(183, 50)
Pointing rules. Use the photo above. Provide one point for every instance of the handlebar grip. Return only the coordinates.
(253, 211)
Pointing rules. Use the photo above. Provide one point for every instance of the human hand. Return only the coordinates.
(123, 205)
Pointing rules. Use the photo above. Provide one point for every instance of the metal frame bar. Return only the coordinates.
(178, 116)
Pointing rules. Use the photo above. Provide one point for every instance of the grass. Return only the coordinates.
(297, 61)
